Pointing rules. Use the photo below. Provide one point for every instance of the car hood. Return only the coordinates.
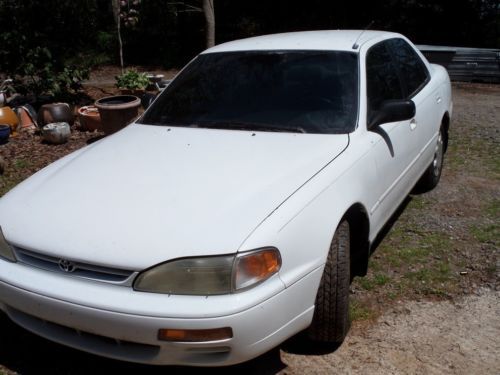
(148, 194)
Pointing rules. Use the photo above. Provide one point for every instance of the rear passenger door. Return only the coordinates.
(417, 85)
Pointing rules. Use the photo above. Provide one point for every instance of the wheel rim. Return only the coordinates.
(438, 156)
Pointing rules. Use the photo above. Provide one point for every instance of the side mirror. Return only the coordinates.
(392, 111)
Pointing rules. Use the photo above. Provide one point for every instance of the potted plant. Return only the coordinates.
(89, 117)
(132, 82)
(117, 112)
(4, 133)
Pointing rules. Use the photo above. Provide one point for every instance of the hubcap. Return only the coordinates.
(438, 156)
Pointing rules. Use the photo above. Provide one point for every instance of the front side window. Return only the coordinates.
(382, 78)
(413, 71)
(312, 91)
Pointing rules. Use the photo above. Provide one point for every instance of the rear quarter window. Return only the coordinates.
(412, 69)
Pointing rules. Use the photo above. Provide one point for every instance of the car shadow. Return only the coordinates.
(390, 223)
(95, 139)
(300, 344)
(26, 353)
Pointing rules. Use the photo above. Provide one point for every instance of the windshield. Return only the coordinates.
(300, 91)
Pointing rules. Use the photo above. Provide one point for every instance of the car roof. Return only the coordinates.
(333, 40)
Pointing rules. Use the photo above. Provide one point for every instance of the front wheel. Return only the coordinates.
(331, 314)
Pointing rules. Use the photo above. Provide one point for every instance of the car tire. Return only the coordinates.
(331, 314)
(432, 174)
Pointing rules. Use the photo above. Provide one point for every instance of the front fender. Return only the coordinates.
(302, 228)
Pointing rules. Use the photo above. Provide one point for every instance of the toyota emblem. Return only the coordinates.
(67, 266)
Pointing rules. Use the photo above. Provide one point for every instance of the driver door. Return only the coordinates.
(393, 144)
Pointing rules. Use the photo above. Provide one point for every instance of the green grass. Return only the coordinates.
(419, 262)
(437, 274)
(370, 283)
(381, 279)
(7, 184)
(493, 209)
(21, 164)
(419, 202)
(18, 171)
(489, 233)
(360, 311)
(476, 156)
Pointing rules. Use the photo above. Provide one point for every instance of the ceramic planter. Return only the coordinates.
(27, 117)
(3, 98)
(8, 117)
(117, 111)
(4, 133)
(55, 112)
(56, 133)
(155, 78)
(89, 118)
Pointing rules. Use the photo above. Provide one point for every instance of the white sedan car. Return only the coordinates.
(235, 212)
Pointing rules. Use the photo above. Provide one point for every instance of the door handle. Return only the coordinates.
(413, 124)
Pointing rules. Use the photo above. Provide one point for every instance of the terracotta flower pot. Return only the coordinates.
(117, 111)
(27, 117)
(8, 117)
(56, 133)
(55, 112)
(89, 118)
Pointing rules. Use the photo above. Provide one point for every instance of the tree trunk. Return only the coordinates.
(116, 13)
(208, 10)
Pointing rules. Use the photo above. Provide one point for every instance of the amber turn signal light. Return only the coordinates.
(256, 267)
(195, 335)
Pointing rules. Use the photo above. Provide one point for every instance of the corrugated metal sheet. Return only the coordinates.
(466, 64)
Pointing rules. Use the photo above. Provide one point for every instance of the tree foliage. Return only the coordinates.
(170, 32)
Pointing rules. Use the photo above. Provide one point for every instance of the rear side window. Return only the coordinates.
(382, 78)
(413, 71)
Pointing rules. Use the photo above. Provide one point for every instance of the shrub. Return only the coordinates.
(132, 80)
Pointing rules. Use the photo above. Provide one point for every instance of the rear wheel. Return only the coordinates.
(331, 314)
(432, 174)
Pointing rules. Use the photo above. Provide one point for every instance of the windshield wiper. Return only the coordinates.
(245, 125)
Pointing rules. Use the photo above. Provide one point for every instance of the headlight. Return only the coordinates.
(5, 249)
(210, 275)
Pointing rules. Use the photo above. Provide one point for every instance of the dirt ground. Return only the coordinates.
(429, 337)
(430, 303)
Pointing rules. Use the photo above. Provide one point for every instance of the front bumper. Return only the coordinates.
(116, 322)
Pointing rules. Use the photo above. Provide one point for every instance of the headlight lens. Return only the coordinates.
(5, 249)
(203, 276)
(210, 275)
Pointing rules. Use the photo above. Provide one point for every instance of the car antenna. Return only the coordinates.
(356, 45)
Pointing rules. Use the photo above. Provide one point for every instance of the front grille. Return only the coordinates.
(78, 269)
